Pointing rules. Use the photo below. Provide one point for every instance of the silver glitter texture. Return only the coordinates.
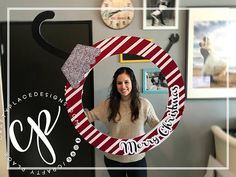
(78, 63)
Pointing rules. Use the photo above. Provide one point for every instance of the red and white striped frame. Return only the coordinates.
(143, 48)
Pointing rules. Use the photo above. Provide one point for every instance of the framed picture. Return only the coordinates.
(160, 14)
(211, 64)
(154, 81)
(130, 58)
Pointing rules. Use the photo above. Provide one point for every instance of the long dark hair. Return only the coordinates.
(114, 103)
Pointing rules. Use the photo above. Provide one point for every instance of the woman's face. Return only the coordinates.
(124, 85)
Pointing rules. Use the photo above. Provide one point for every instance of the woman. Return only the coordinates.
(124, 113)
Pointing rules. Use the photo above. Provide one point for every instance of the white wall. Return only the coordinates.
(192, 142)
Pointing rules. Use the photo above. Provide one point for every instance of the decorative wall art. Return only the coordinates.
(211, 64)
(154, 81)
(131, 58)
(160, 14)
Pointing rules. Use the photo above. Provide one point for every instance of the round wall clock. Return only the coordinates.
(117, 14)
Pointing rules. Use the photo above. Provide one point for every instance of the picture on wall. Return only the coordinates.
(160, 14)
(211, 64)
(154, 81)
(130, 58)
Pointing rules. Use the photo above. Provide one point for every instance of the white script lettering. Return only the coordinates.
(41, 135)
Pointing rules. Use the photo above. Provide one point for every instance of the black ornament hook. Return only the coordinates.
(36, 32)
